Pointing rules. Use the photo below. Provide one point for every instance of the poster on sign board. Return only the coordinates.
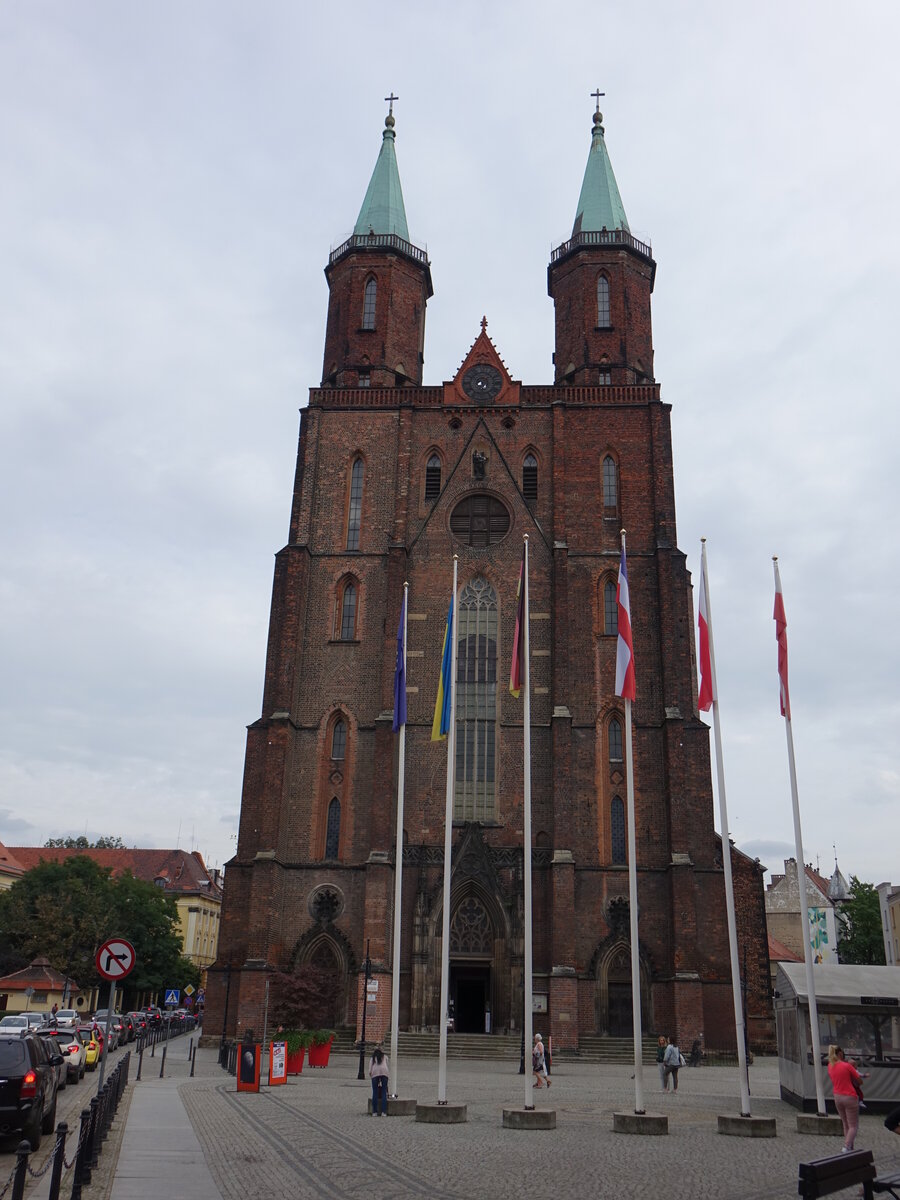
(278, 1063)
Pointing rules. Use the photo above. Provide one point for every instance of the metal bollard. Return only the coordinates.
(21, 1168)
(140, 1063)
(81, 1155)
(93, 1138)
(162, 1065)
(59, 1154)
(193, 1060)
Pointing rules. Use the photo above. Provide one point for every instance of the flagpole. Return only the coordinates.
(526, 765)
(801, 892)
(740, 1032)
(637, 1033)
(448, 847)
(398, 875)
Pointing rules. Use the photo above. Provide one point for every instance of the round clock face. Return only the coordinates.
(482, 382)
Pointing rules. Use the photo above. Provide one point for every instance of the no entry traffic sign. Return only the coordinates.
(115, 958)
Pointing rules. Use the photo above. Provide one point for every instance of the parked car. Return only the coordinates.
(27, 1087)
(93, 1044)
(71, 1047)
(14, 1024)
(139, 1023)
(107, 1024)
(54, 1051)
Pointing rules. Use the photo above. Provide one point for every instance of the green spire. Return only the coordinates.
(382, 210)
(599, 205)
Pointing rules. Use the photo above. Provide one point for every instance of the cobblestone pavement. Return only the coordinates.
(313, 1137)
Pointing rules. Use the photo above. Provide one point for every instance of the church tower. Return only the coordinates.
(379, 284)
(600, 281)
(393, 479)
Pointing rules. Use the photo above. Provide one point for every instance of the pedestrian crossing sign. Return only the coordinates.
(172, 995)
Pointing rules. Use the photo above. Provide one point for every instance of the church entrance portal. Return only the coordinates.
(470, 995)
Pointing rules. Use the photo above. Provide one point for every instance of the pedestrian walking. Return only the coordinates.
(672, 1060)
(538, 1062)
(846, 1083)
(661, 1044)
(379, 1070)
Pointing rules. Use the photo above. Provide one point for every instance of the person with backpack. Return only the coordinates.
(379, 1070)
(672, 1060)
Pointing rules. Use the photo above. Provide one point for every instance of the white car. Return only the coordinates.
(66, 1018)
(15, 1023)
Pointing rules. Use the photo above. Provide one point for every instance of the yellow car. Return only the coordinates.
(92, 1045)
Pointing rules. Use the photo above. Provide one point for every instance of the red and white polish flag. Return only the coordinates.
(706, 696)
(781, 638)
(624, 646)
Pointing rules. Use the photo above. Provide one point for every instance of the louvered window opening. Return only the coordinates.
(433, 478)
(530, 479)
(476, 703)
(480, 521)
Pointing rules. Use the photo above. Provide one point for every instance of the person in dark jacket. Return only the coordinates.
(379, 1070)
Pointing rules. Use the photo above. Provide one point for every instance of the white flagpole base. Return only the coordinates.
(529, 1118)
(441, 1114)
(646, 1124)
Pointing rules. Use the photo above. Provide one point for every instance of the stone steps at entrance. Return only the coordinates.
(508, 1047)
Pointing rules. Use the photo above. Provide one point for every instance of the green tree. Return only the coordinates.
(81, 843)
(65, 910)
(860, 937)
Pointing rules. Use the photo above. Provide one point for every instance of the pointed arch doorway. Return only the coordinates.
(471, 956)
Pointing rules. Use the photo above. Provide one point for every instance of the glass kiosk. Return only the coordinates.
(859, 1009)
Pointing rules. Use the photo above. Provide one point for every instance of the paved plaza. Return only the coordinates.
(313, 1138)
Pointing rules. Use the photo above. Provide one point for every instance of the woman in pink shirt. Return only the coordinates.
(846, 1082)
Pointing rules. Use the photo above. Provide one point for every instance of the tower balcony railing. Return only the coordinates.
(600, 237)
(378, 241)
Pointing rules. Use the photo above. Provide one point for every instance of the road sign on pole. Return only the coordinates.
(115, 959)
(172, 995)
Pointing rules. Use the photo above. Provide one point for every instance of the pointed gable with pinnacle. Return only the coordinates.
(382, 210)
(599, 205)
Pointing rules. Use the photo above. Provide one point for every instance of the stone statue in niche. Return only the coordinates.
(479, 464)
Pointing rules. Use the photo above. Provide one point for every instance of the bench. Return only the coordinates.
(889, 1184)
(839, 1171)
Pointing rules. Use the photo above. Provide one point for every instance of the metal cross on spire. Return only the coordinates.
(597, 96)
(390, 99)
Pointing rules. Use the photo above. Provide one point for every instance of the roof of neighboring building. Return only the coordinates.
(599, 205)
(39, 975)
(177, 871)
(790, 876)
(778, 952)
(9, 864)
(383, 210)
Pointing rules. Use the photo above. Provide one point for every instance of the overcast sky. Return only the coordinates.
(172, 177)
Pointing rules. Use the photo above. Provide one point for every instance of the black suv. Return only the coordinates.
(27, 1087)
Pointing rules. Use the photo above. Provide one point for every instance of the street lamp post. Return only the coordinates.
(362, 1041)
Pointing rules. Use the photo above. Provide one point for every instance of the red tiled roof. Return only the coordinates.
(9, 864)
(778, 952)
(182, 872)
(39, 975)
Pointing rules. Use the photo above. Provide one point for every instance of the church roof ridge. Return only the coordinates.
(599, 204)
(383, 211)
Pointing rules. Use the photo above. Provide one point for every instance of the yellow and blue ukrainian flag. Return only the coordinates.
(440, 726)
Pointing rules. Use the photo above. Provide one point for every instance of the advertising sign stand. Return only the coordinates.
(277, 1063)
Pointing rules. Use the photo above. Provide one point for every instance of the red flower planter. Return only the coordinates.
(295, 1061)
(318, 1055)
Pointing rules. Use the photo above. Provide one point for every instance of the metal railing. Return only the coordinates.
(600, 237)
(378, 241)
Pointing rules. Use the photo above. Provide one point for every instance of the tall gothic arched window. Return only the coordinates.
(617, 831)
(354, 511)
(333, 829)
(370, 294)
(610, 609)
(338, 740)
(476, 703)
(610, 483)
(603, 302)
(432, 478)
(615, 740)
(347, 631)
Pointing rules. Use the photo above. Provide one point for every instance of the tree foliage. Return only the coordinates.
(81, 843)
(65, 910)
(304, 998)
(860, 938)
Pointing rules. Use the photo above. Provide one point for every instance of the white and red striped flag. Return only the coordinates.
(781, 638)
(706, 695)
(625, 646)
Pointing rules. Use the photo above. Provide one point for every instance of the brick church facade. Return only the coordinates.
(393, 478)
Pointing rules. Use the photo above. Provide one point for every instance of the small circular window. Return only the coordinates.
(480, 520)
